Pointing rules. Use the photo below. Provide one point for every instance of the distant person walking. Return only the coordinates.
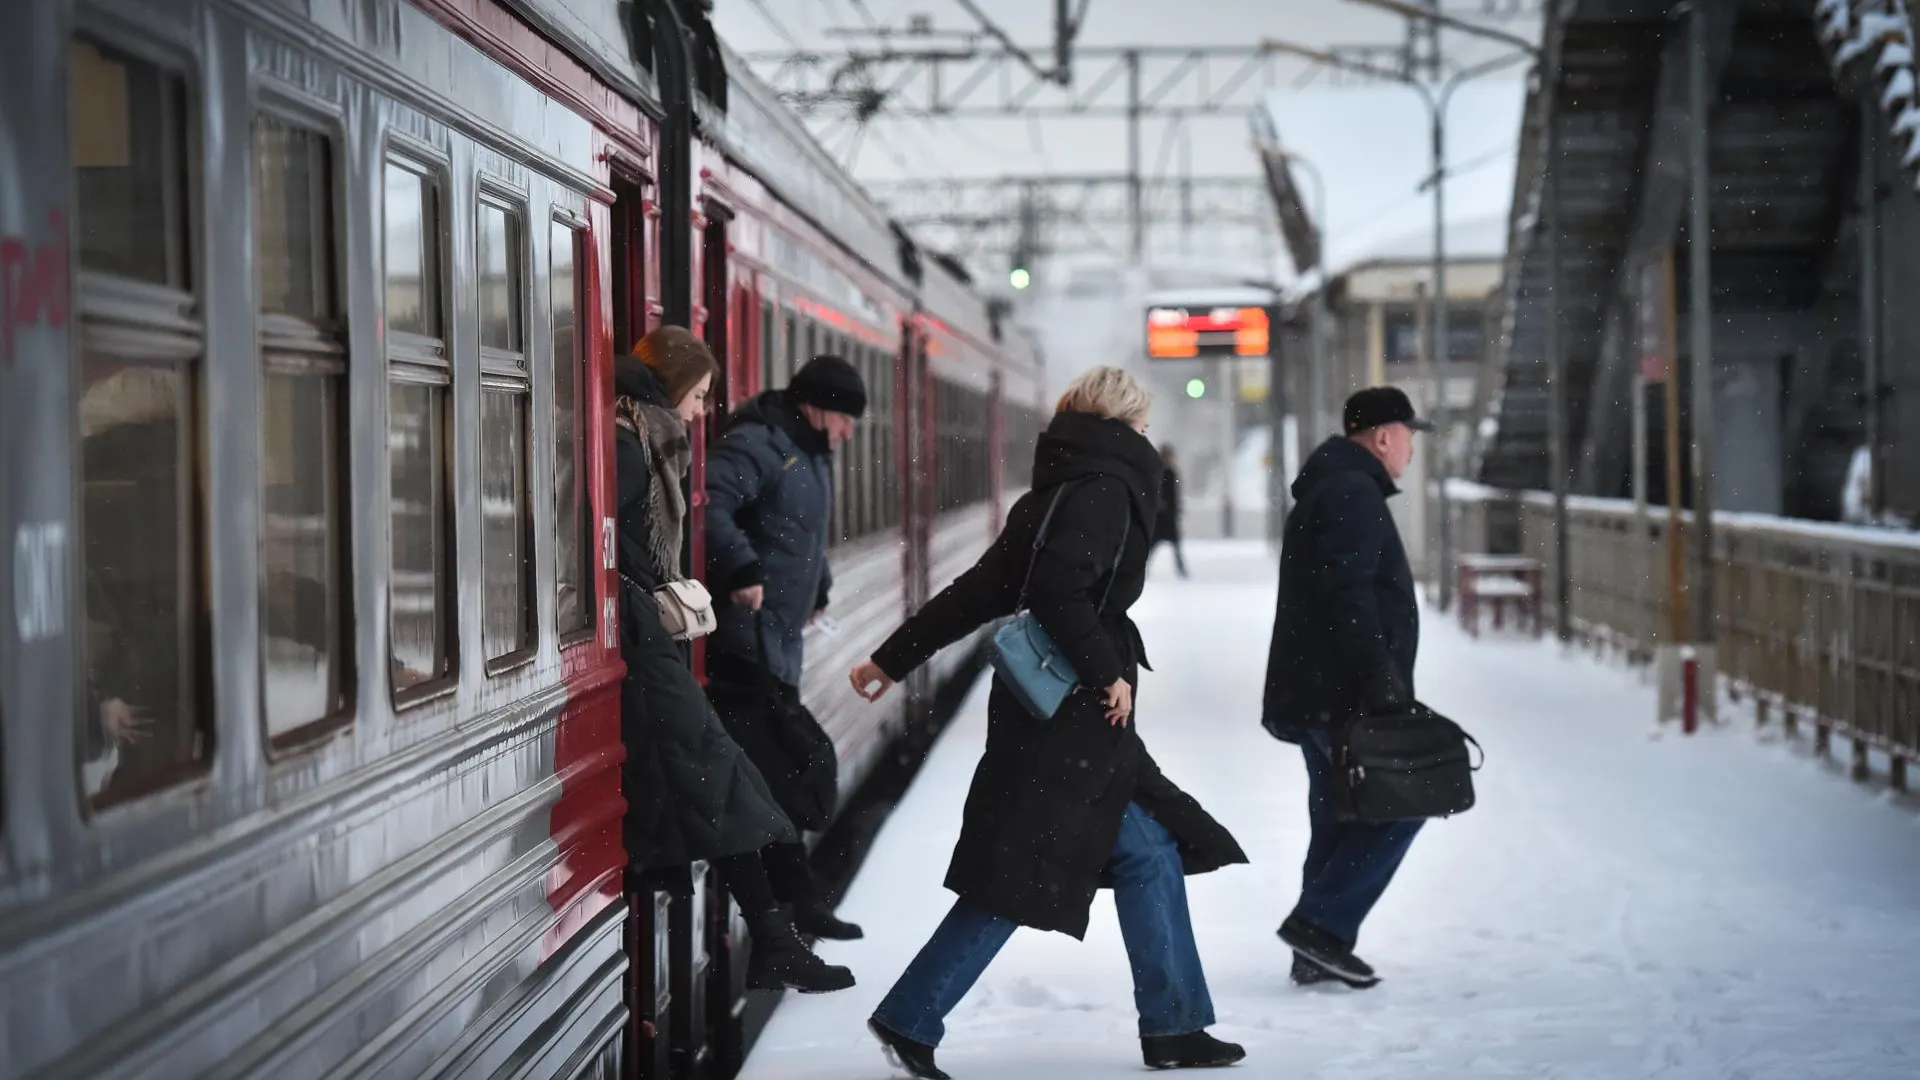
(1166, 526)
(1064, 806)
(1345, 632)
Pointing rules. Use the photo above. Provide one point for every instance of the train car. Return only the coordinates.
(309, 740)
(307, 704)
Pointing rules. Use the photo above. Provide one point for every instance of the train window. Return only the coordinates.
(573, 510)
(790, 351)
(305, 619)
(506, 520)
(422, 601)
(144, 721)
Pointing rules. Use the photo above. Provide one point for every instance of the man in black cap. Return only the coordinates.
(1344, 637)
(768, 520)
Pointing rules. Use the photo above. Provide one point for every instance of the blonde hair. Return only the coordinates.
(1108, 392)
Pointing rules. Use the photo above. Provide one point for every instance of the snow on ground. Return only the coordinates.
(1618, 906)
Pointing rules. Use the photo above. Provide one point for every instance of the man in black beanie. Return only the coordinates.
(769, 512)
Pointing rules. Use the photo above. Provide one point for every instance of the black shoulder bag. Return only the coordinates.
(1402, 766)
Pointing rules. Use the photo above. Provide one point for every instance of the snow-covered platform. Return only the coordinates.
(1620, 905)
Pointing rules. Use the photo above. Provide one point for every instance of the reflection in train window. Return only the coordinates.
(144, 721)
(305, 625)
(508, 625)
(421, 601)
(572, 510)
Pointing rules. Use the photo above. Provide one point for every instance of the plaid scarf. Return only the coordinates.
(669, 451)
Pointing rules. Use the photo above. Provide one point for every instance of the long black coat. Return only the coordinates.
(1347, 619)
(1048, 796)
(691, 792)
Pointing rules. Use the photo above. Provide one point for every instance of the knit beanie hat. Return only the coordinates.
(828, 382)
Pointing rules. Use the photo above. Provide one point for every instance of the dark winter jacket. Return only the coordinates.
(1048, 796)
(1347, 624)
(691, 791)
(769, 512)
(1167, 525)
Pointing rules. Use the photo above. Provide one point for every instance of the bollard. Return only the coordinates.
(1690, 694)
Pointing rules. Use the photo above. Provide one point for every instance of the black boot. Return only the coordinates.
(903, 1053)
(780, 960)
(818, 921)
(1196, 1050)
(1331, 954)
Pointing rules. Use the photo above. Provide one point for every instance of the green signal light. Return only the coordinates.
(1196, 388)
(1020, 279)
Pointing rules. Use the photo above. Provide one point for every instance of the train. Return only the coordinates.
(309, 734)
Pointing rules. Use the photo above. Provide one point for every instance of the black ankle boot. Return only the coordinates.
(818, 921)
(1195, 1050)
(903, 1053)
(780, 960)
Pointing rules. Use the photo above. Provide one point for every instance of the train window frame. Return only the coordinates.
(297, 347)
(158, 326)
(769, 342)
(563, 220)
(414, 361)
(507, 371)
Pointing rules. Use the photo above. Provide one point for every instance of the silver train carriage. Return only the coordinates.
(336, 792)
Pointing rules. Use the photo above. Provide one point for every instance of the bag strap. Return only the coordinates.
(768, 681)
(1046, 530)
(1476, 746)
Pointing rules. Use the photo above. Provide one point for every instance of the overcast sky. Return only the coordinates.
(1370, 142)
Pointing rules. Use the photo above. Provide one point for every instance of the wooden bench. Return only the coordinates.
(1499, 581)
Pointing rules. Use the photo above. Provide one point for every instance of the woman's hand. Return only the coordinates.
(1119, 702)
(750, 597)
(869, 681)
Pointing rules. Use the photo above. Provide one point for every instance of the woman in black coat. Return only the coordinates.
(1063, 806)
(691, 791)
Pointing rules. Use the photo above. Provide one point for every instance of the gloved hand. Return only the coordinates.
(1385, 693)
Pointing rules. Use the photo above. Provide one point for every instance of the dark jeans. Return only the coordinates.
(1150, 895)
(1349, 863)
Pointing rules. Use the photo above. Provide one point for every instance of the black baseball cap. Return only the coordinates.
(1378, 406)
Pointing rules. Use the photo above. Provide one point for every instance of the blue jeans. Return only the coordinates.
(1150, 895)
(1349, 863)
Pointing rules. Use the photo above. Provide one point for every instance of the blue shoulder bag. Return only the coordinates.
(1023, 655)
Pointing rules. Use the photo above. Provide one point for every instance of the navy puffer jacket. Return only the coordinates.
(769, 510)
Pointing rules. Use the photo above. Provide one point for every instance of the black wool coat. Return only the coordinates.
(1048, 796)
(1347, 614)
(691, 791)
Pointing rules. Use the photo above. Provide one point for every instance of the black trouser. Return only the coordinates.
(791, 874)
(776, 874)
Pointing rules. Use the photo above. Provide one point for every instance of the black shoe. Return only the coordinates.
(820, 922)
(1307, 973)
(1197, 1050)
(903, 1053)
(1329, 952)
(781, 961)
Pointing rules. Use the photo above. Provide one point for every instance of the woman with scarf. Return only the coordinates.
(1065, 805)
(691, 792)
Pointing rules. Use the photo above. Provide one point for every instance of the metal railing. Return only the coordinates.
(1819, 621)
